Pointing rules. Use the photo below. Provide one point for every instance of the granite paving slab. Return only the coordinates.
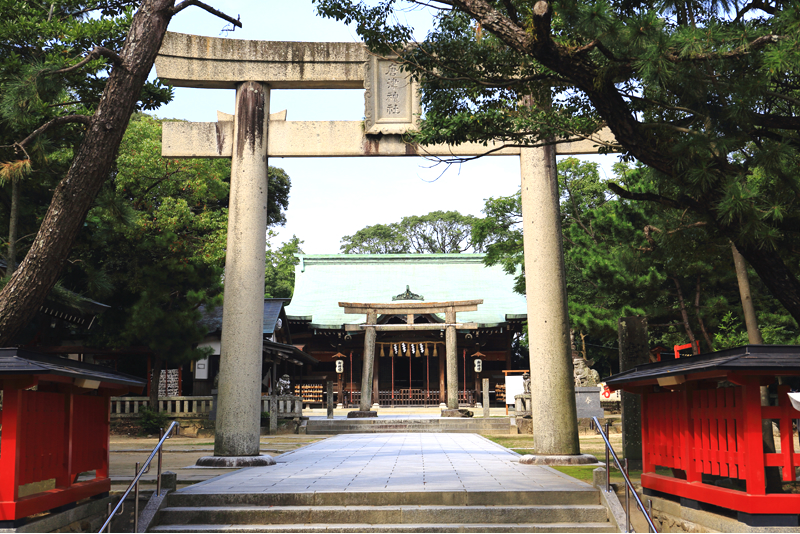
(393, 463)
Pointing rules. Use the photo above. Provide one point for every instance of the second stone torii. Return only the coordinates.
(371, 327)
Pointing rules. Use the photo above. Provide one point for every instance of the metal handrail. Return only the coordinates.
(135, 483)
(628, 486)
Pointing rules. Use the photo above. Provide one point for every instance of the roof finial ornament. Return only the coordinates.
(408, 295)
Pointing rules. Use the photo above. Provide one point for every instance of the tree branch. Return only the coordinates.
(737, 52)
(58, 121)
(186, 3)
(97, 52)
(651, 197)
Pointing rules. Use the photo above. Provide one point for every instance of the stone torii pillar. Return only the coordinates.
(242, 322)
(391, 109)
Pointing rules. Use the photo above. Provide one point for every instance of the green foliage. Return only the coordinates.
(438, 232)
(37, 39)
(627, 258)
(705, 94)
(152, 421)
(154, 245)
(279, 275)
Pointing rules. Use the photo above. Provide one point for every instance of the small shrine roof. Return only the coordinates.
(779, 359)
(212, 318)
(322, 281)
(16, 362)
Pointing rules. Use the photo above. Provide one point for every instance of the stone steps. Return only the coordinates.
(493, 425)
(588, 496)
(413, 528)
(423, 511)
(377, 515)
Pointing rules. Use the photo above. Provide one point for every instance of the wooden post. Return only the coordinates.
(753, 436)
(452, 362)
(633, 350)
(330, 399)
(376, 383)
(11, 445)
(273, 415)
(369, 364)
(442, 387)
(486, 411)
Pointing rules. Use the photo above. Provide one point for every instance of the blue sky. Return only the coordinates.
(333, 197)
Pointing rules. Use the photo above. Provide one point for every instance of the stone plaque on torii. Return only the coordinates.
(251, 135)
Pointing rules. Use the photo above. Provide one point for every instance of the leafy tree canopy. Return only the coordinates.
(706, 94)
(37, 40)
(438, 232)
(630, 258)
(279, 276)
(154, 244)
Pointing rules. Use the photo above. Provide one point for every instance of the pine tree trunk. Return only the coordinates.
(750, 320)
(74, 195)
(685, 316)
(13, 224)
(700, 317)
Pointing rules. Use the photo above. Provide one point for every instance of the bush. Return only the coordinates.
(152, 421)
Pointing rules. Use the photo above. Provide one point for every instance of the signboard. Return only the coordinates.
(514, 387)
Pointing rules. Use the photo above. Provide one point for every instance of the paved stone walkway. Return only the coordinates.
(393, 463)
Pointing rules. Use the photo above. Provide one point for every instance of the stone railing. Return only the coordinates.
(176, 407)
(197, 407)
(287, 405)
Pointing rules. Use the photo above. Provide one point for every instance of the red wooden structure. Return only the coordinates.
(701, 417)
(55, 426)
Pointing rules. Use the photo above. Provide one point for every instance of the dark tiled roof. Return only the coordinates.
(26, 362)
(749, 358)
(296, 353)
(212, 319)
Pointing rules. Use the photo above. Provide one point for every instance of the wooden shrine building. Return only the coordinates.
(409, 362)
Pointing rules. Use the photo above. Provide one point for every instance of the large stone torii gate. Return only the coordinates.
(251, 135)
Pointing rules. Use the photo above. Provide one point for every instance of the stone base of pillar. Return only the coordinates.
(361, 414)
(235, 461)
(462, 412)
(558, 459)
(478, 405)
(442, 406)
(375, 406)
(339, 406)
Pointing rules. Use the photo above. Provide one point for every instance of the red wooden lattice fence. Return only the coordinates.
(718, 432)
(48, 435)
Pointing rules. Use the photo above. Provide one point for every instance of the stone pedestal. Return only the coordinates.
(555, 425)
(235, 461)
(361, 414)
(462, 412)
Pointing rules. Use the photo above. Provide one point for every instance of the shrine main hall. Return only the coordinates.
(328, 319)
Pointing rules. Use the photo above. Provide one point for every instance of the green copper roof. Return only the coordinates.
(322, 281)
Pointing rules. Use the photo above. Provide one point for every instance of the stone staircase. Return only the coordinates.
(477, 425)
(427, 511)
